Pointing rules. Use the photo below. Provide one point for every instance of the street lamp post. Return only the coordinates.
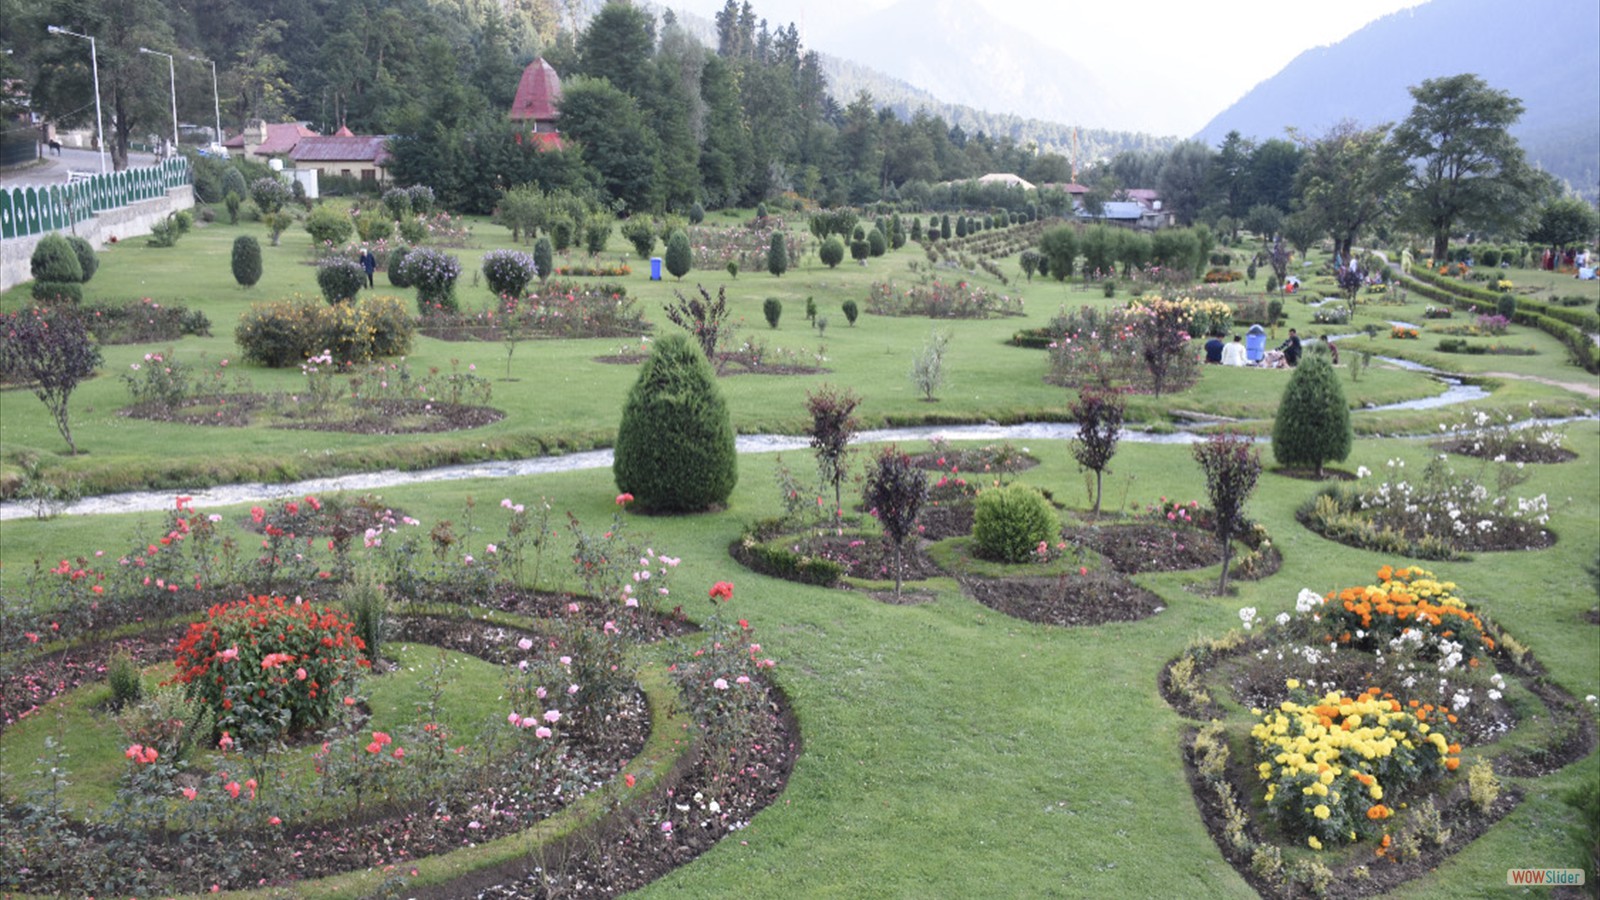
(216, 105)
(94, 63)
(173, 76)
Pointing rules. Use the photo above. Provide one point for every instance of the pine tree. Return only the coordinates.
(777, 255)
(1313, 422)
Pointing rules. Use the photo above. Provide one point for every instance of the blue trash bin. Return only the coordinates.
(655, 268)
(1255, 344)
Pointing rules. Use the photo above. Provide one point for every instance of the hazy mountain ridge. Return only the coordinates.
(1544, 52)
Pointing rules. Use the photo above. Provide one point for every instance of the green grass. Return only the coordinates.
(944, 741)
(561, 400)
(948, 750)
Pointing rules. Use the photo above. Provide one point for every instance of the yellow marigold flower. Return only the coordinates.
(1376, 791)
(1265, 769)
(1321, 811)
(1314, 843)
(1292, 684)
(1320, 789)
(1326, 777)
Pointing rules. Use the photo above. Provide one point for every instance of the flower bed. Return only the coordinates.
(1442, 515)
(555, 310)
(1339, 759)
(940, 300)
(583, 744)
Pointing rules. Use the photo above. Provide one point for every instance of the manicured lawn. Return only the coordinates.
(948, 750)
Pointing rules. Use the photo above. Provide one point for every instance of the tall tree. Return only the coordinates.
(618, 45)
(615, 140)
(1467, 169)
(1350, 178)
(1273, 166)
(1185, 180)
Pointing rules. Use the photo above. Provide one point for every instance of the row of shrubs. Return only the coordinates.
(286, 332)
(1556, 321)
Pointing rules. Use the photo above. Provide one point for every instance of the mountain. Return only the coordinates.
(1544, 52)
(846, 79)
(951, 48)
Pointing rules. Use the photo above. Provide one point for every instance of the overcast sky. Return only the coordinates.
(1214, 52)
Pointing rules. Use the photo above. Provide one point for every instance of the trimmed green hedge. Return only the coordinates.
(1569, 326)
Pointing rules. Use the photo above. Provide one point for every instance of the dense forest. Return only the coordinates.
(658, 119)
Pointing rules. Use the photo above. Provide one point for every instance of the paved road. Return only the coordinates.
(52, 169)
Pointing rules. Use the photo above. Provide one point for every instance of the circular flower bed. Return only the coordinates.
(1351, 713)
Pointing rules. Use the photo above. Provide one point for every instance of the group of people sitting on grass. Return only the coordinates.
(1287, 355)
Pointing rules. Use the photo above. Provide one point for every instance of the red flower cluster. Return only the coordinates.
(722, 590)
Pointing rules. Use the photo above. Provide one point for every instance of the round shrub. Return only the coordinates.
(434, 276)
(851, 311)
(266, 667)
(772, 308)
(398, 203)
(508, 272)
(340, 278)
(697, 214)
(87, 260)
(679, 257)
(675, 447)
(54, 260)
(246, 259)
(412, 231)
(374, 226)
(1505, 305)
(832, 251)
(276, 334)
(422, 200)
(328, 226)
(396, 268)
(390, 325)
(1010, 523)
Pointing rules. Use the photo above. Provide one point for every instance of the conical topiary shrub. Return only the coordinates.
(675, 450)
(1313, 422)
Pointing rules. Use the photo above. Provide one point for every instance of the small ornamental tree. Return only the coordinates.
(246, 260)
(508, 272)
(1312, 426)
(1030, 262)
(1099, 417)
(267, 668)
(860, 250)
(894, 495)
(397, 201)
(944, 227)
(772, 308)
(777, 255)
(269, 195)
(52, 351)
(675, 448)
(832, 251)
(680, 258)
(833, 424)
(702, 317)
(852, 310)
(1060, 247)
(396, 269)
(544, 257)
(434, 276)
(1231, 467)
(1160, 330)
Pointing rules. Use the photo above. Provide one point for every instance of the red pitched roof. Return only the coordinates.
(281, 138)
(344, 131)
(538, 94)
(365, 148)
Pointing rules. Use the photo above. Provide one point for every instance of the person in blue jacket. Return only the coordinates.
(369, 264)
